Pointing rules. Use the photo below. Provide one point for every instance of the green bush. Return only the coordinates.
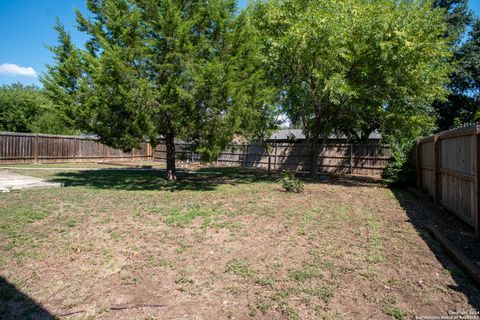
(401, 169)
(291, 183)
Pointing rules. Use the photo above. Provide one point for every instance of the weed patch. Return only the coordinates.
(240, 268)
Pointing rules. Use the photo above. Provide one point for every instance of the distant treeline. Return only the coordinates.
(29, 109)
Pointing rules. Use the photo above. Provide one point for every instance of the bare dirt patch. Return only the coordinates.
(127, 244)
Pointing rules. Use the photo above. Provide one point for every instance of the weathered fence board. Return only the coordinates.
(339, 158)
(26, 147)
(448, 169)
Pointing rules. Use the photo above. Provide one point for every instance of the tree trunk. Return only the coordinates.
(170, 145)
(315, 149)
(314, 153)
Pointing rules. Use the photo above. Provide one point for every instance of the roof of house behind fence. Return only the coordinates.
(297, 134)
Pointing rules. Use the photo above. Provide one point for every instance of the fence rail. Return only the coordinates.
(340, 158)
(26, 148)
(448, 168)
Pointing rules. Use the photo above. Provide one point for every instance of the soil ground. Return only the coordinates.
(129, 245)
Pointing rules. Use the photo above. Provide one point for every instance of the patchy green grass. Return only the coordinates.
(240, 268)
(229, 245)
(181, 217)
(390, 308)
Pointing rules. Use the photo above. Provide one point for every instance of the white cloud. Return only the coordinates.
(13, 69)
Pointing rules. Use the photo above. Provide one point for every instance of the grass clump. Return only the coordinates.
(304, 274)
(288, 311)
(180, 218)
(240, 268)
(291, 183)
(325, 293)
(266, 282)
(390, 308)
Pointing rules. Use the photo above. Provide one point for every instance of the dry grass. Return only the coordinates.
(127, 244)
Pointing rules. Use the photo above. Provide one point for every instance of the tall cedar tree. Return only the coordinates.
(164, 69)
(61, 81)
(353, 66)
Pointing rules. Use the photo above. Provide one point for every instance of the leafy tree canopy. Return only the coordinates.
(173, 69)
(462, 104)
(457, 16)
(28, 109)
(353, 66)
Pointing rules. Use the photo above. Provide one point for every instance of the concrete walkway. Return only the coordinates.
(12, 181)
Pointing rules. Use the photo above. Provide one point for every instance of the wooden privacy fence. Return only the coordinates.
(448, 168)
(27, 148)
(340, 158)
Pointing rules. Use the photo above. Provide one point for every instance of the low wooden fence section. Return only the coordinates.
(342, 158)
(27, 148)
(448, 168)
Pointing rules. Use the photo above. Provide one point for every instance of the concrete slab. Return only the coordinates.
(12, 181)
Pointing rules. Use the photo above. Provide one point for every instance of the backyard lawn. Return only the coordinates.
(127, 244)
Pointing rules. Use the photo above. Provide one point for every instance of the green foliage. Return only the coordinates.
(462, 105)
(291, 183)
(457, 16)
(163, 69)
(390, 308)
(240, 268)
(28, 109)
(52, 121)
(306, 273)
(395, 312)
(61, 81)
(179, 217)
(401, 169)
(353, 66)
(20, 106)
(325, 292)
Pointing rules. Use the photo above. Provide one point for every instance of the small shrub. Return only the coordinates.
(291, 183)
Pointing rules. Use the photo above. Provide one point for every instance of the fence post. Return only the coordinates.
(269, 159)
(74, 149)
(245, 154)
(419, 164)
(477, 180)
(191, 152)
(275, 157)
(35, 148)
(350, 165)
(436, 170)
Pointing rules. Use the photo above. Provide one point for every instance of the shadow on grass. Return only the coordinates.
(14, 304)
(204, 179)
(422, 213)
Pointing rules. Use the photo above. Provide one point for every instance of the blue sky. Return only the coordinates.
(27, 28)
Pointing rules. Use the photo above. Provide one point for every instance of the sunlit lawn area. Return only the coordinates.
(128, 244)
